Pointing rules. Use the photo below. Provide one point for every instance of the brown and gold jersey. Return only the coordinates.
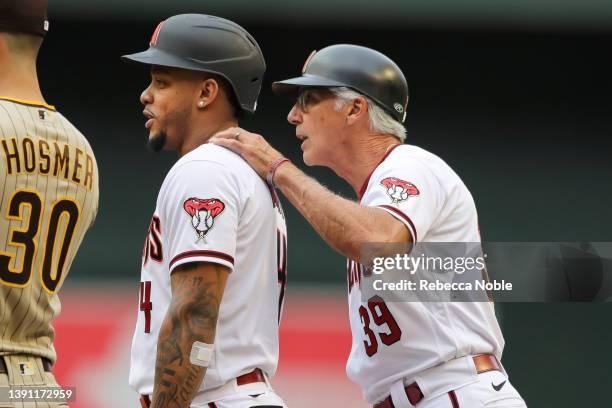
(48, 200)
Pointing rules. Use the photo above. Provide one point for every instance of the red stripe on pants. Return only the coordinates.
(453, 398)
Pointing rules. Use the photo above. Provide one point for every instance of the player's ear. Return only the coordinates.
(208, 91)
(4, 49)
(358, 107)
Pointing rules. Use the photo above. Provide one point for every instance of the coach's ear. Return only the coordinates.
(358, 109)
(208, 91)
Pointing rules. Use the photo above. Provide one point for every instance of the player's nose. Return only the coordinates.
(146, 97)
(295, 115)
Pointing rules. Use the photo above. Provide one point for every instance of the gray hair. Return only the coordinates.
(380, 120)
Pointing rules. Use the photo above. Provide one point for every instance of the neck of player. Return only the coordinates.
(203, 127)
(360, 156)
(19, 79)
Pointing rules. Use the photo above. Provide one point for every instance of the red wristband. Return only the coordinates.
(272, 169)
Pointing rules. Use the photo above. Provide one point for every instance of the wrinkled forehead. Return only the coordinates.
(307, 96)
(315, 91)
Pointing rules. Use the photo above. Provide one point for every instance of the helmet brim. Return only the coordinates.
(155, 56)
(291, 87)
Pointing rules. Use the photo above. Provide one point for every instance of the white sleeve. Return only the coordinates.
(408, 191)
(200, 205)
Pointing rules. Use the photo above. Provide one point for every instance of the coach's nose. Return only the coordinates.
(146, 97)
(295, 115)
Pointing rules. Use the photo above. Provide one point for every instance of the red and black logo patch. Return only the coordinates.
(399, 190)
(203, 213)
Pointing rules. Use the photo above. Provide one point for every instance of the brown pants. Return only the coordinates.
(27, 371)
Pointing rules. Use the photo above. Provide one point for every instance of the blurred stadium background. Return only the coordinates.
(515, 95)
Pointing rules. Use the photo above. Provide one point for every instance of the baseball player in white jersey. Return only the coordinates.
(214, 261)
(48, 201)
(350, 106)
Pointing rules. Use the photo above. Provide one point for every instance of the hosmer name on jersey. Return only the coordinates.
(48, 157)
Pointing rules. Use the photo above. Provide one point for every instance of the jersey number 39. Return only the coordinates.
(381, 315)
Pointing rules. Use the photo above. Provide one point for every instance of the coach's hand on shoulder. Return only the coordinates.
(251, 146)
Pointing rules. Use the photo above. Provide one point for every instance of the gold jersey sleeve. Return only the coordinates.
(48, 200)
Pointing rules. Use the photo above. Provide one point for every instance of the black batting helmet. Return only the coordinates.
(359, 68)
(212, 44)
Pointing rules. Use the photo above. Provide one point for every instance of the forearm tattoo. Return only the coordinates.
(192, 316)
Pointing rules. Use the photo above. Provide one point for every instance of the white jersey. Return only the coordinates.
(401, 339)
(213, 207)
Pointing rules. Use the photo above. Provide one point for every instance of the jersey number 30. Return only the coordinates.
(381, 315)
(27, 238)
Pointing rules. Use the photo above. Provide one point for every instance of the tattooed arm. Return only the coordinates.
(197, 289)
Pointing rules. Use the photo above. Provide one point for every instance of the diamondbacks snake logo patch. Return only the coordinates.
(203, 213)
(399, 190)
